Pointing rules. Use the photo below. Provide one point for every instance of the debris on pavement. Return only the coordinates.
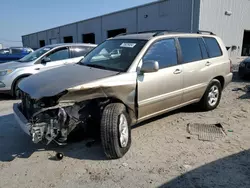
(59, 156)
(187, 167)
(245, 89)
(125, 164)
(236, 89)
(206, 132)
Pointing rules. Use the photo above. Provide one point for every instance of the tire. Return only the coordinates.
(111, 135)
(206, 103)
(16, 90)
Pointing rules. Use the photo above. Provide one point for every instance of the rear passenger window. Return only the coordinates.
(16, 51)
(81, 50)
(214, 49)
(190, 49)
(164, 52)
(203, 48)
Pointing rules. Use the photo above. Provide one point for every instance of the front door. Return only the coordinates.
(160, 91)
(58, 57)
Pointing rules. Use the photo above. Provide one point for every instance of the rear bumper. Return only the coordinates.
(228, 79)
(21, 119)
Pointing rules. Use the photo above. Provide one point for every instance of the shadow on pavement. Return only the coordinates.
(246, 95)
(245, 89)
(15, 143)
(193, 108)
(230, 172)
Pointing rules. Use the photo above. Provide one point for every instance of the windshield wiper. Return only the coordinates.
(96, 66)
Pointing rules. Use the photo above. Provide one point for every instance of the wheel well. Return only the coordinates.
(103, 102)
(221, 80)
(16, 80)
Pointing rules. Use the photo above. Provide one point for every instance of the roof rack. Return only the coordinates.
(161, 33)
(140, 32)
(156, 32)
(209, 32)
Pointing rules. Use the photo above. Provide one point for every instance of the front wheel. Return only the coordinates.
(16, 92)
(115, 131)
(212, 96)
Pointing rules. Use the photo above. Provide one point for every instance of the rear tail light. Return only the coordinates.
(231, 66)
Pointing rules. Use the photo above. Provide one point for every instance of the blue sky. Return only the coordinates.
(20, 17)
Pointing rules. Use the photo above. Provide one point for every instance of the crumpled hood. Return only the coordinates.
(52, 82)
(13, 65)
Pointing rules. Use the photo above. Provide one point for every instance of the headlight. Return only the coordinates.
(5, 72)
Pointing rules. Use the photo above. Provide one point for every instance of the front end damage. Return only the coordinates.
(50, 122)
(78, 108)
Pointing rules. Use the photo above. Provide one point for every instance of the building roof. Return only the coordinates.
(123, 10)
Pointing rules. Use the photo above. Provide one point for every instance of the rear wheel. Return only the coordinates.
(212, 96)
(115, 131)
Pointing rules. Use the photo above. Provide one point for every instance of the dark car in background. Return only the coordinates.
(244, 68)
(13, 53)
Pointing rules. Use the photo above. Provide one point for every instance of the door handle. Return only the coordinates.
(177, 71)
(208, 63)
(37, 68)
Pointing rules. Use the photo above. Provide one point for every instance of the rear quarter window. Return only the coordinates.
(16, 51)
(213, 47)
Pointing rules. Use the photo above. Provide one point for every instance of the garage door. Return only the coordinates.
(53, 41)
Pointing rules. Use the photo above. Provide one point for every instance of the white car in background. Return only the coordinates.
(42, 59)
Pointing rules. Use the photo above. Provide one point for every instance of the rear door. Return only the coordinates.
(162, 90)
(197, 69)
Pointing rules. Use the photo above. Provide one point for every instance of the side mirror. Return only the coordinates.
(45, 60)
(150, 66)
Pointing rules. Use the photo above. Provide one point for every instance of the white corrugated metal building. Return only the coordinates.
(226, 18)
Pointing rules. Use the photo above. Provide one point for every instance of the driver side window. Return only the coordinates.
(59, 54)
(163, 51)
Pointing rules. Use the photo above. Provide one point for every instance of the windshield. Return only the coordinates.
(35, 55)
(115, 54)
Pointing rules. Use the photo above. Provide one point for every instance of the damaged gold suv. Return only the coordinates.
(123, 81)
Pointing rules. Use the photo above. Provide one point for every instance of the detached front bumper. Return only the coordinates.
(21, 119)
